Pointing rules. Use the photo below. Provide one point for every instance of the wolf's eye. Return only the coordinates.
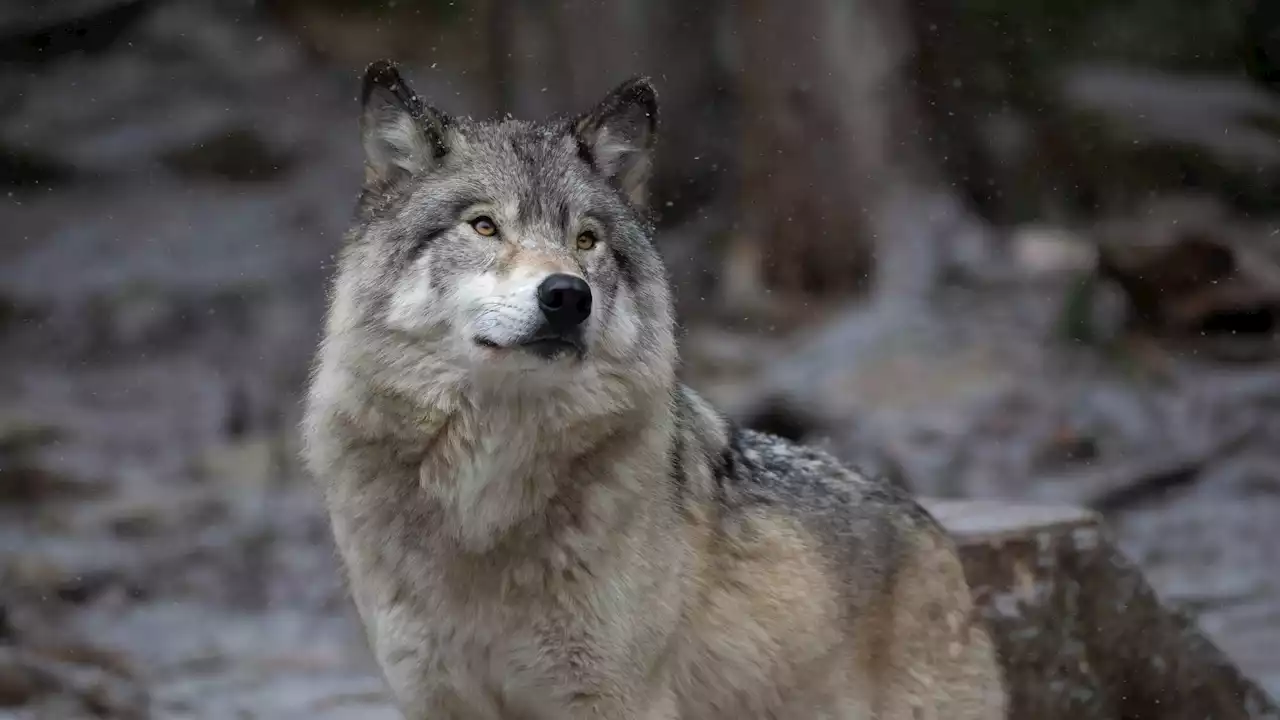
(586, 240)
(485, 226)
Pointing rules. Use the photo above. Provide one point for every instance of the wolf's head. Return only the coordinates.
(503, 256)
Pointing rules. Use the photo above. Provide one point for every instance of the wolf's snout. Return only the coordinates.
(565, 301)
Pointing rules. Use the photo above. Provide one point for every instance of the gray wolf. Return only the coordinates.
(536, 519)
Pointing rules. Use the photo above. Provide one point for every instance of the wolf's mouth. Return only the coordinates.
(544, 346)
(552, 346)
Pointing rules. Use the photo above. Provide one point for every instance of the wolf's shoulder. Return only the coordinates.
(866, 525)
(803, 475)
(755, 469)
(863, 520)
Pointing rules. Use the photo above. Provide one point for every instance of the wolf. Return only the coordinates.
(535, 517)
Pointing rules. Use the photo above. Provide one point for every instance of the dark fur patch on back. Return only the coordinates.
(679, 473)
(771, 469)
(584, 154)
(679, 476)
(727, 466)
(737, 477)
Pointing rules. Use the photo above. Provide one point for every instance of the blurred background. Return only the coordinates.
(1009, 249)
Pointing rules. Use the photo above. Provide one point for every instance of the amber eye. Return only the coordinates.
(586, 240)
(485, 226)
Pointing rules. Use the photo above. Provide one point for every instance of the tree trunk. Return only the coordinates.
(564, 56)
(838, 194)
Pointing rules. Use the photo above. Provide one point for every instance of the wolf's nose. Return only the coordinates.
(565, 300)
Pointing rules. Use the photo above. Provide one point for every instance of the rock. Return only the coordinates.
(1190, 272)
(68, 687)
(1047, 250)
(1080, 632)
(23, 479)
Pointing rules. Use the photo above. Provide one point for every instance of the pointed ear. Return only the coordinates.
(402, 136)
(619, 134)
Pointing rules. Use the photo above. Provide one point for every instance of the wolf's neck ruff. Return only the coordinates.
(493, 467)
(486, 459)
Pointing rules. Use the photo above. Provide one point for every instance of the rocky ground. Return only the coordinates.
(171, 207)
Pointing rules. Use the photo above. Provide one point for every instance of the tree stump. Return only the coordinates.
(1081, 634)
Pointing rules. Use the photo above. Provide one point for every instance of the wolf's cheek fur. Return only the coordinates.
(473, 305)
(503, 311)
(417, 305)
(618, 323)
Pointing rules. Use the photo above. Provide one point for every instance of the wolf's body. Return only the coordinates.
(536, 518)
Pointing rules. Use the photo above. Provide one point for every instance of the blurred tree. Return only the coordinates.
(843, 146)
(561, 57)
(837, 188)
(533, 59)
(1261, 46)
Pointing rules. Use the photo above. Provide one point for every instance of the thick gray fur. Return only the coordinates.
(579, 535)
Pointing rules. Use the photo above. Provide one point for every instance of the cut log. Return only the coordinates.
(1081, 634)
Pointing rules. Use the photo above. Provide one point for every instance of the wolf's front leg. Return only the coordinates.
(438, 706)
(601, 707)
(659, 704)
(664, 706)
(420, 698)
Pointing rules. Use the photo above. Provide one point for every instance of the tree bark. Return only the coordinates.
(564, 56)
(838, 193)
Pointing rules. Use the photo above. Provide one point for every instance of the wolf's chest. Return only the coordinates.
(476, 647)
(487, 486)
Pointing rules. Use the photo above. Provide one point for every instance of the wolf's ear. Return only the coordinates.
(402, 136)
(619, 134)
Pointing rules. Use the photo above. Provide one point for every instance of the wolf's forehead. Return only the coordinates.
(535, 170)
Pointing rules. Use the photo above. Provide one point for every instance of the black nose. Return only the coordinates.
(565, 301)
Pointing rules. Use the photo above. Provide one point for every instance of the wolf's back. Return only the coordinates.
(897, 597)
